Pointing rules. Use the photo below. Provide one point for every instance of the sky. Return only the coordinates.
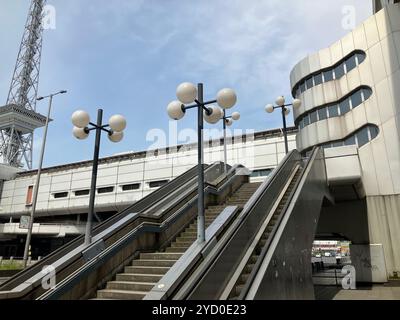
(128, 56)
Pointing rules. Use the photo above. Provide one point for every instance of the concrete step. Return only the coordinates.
(130, 286)
(139, 277)
(146, 270)
(176, 249)
(181, 244)
(185, 239)
(153, 263)
(160, 256)
(120, 294)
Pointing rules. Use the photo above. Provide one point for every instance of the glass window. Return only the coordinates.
(350, 141)
(344, 106)
(328, 75)
(298, 91)
(374, 131)
(356, 99)
(306, 120)
(133, 186)
(156, 184)
(362, 137)
(28, 201)
(105, 190)
(302, 87)
(309, 83)
(301, 124)
(318, 79)
(322, 114)
(333, 111)
(351, 63)
(61, 195)
(360, 57)
(339, 71)
(337, 144)
(82, 192)
(313, 117)
(366, 93)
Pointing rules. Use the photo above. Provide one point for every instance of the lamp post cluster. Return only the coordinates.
(280, 104)
(81, 130)
(189, 97)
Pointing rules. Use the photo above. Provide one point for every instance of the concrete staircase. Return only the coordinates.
(143, 273)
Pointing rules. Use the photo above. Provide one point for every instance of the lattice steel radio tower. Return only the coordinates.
(18, 118)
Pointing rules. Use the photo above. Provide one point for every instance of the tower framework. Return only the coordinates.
(18, 118)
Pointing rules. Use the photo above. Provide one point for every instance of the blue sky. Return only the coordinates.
(128, 56)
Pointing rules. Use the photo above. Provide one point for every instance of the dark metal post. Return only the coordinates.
(225, 151)
(36, 188)
(284, 129)
(201, 234)
(88, 233)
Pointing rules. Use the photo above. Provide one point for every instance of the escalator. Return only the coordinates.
(266, 252)
(143, 273)
(149, 225)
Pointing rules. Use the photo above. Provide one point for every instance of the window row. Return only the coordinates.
(359, 138)
(102, 190)
(261, 173)
(334, 73)
(335, 110)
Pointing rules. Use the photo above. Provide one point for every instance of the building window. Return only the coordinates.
(362, 137)
(156, 184)
(344, 106)
(133, 186)
(359, 138)
(333, 111)
(79, 193)
(313, 117)
(351, 63)
(306, 120)
(302, 87)
(309, 83)
(261, 173)
(339, 71)
(105, 190)
(335, 72)
(318, 79)
(60, 195)
(322, 114)
(29, 195)
(328, 76)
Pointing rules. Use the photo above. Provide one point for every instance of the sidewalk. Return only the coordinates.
(389, 291)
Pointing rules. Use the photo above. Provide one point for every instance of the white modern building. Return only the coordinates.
(63, 195)
(351, 106)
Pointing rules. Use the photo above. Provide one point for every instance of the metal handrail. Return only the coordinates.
(267, 245)
(78, 250)
(74, 244)
(204, 269)
(143, 227)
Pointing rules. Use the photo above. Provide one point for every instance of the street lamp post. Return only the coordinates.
(228, 121)
(280, 103)
(187, 93)
(117, 125)
(36, 188)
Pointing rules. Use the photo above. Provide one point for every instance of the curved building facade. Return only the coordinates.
(350, 96)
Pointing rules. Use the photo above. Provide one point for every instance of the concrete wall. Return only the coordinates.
(378, 38)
